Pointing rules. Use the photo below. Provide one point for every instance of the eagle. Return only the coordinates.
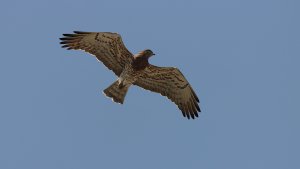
(131, 69)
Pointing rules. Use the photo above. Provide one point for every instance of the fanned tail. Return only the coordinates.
(116, 92)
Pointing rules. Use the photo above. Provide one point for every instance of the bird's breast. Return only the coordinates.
(139, 64)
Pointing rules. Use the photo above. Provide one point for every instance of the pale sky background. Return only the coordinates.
(241, 57)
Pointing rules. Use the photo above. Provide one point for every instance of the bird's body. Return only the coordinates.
(134, 70)
(128, 76)
(140, 62)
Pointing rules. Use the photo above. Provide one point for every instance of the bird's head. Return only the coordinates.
(147, 53)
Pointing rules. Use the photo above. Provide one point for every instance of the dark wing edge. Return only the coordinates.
(71, 41)
(170, 82)
(105, 46)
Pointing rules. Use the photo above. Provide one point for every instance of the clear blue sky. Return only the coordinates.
(242, 58)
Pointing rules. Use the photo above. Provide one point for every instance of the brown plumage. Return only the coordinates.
(140, 61)
(134, 70)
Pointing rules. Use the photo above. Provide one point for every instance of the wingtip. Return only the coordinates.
(66, 38)
(67, 35)
(81, 32)
(198, 108)
(196, 114)
(183, 113)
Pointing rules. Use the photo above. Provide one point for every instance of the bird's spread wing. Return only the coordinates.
(107, 47)
(170, 82)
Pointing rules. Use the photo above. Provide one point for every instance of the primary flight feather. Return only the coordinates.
(134, 70)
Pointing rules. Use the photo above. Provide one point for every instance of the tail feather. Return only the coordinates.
(116, 93)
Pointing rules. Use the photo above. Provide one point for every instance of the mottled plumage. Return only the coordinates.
(134, 70)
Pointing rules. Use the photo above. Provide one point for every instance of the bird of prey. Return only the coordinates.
(134, 70)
